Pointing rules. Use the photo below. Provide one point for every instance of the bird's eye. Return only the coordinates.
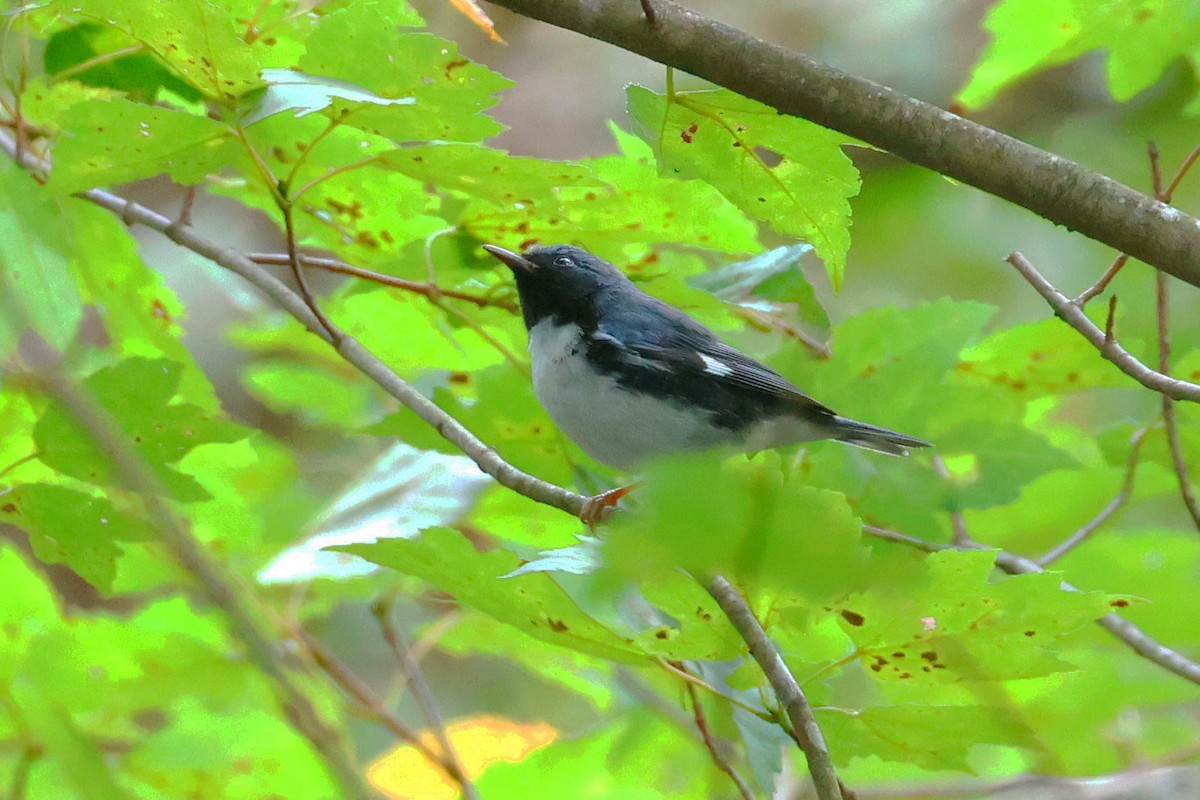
(563, 261)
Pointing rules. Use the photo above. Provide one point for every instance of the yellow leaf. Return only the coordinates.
(405, 774)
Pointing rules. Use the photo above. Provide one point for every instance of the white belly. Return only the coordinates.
(612, 425)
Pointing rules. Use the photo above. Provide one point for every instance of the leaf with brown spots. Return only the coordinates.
(983, 631)
(109, 142)
(196, 39)
(531, 603)
(787, 171)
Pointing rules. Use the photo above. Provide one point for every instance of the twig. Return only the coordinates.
(713, 750)
(648, 11)
(185, 208)
(355, 686)
(220, 589)
(342, 268)
(1137, 639)
(1181, 467)
(678, 669)
(765, 321)
(19, 785)
(1101, 284)
(1073, 315)
(1184, 169)
(958, 523)
(289, 226)
(1162, 309)
(382, 609)
(1168, 405)
(1110, 322)
(1156, 173)
(22, 460)
(1091, 526)
(787, 690)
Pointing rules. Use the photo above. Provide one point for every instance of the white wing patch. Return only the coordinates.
(715, 367)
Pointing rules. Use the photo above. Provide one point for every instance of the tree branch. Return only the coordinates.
(382, 609)
(791, 696)
(1054, 187)
(342, 268)
(711, 745)
(1073, 315)
(1086, 530)
(354, 685)
(218, 588)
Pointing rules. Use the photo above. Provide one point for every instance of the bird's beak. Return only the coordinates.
(515, 261)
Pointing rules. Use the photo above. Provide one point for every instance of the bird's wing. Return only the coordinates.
(659, 337)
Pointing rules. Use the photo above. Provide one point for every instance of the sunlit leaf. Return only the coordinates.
(195, 38)
(109, 142)
(137, 393)
(406, 774)
(785, 170)
(289, 90)
(365, 45)
(75, 528)
(36, 289)
(534, 604)
(1142, 39)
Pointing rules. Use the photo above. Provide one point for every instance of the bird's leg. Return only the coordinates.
(596, 508)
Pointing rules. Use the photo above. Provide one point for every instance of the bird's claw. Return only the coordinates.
(599, 507)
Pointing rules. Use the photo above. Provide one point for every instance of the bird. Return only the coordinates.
(630, 378)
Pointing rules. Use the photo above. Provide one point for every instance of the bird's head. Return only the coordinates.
(557, 280)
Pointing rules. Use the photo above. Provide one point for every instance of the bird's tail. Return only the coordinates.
(873, 437)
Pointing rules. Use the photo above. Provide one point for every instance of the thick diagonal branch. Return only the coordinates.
(1049, 185)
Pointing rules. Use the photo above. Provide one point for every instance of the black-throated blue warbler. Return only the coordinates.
(628, 377)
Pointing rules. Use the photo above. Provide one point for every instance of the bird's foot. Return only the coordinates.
(597, 508)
